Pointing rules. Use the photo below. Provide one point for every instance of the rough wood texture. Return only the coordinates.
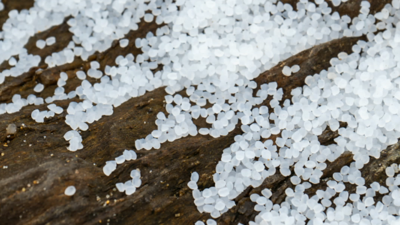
(40, 167)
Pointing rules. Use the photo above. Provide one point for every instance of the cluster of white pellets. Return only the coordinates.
(231, 60)
(93, 71)
(18, 102)
(75, 140)
(63, 79)
(42, 43)
(95, 25)
(287, 71)
(174, 76)
(208, 222)
(112, 165)
(24, 64)
(39, 116)
(358, 80)
(359, 89)
(56, 109)
(130, 186)
(350, 208)
(213, 50)
(113, 90)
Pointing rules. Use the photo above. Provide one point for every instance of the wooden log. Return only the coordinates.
(37, 167)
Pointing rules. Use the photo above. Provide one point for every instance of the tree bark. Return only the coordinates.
(36, 167)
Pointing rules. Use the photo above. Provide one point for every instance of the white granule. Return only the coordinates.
(70, 190)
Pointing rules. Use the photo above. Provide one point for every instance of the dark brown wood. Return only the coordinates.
(38, 167)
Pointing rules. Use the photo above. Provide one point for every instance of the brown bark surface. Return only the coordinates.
(39, 167)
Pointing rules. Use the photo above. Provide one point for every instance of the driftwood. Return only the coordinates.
(36, 167)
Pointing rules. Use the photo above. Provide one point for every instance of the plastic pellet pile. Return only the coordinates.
(214, 50)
